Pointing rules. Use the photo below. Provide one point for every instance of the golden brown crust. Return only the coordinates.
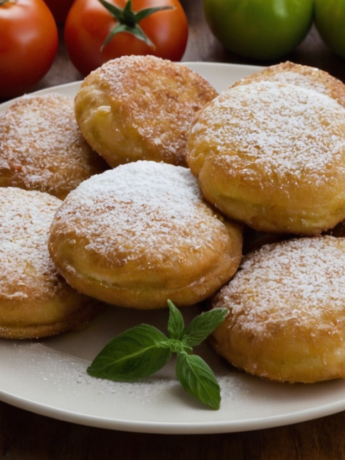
(140, 108)
(42, 148)
(35, 300)
(307, 77)
(272, 155)
(70, 321)
(286, 305)
(300, 75)
(140, 234)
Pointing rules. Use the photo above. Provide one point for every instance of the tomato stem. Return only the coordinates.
(3, 2)
(128, 21)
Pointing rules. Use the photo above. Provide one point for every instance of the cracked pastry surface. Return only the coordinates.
(140, 234)
(140, 108)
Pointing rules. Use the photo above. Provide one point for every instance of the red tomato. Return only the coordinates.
(59, 8)
(28, 45)
(89, 23)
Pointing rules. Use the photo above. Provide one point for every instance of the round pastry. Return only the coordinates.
(286, 305)
(41, 146)
(272, 155)
(35, 300)
(141, 234)
(300, 75)
(140, 108)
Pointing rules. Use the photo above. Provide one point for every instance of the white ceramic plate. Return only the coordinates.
(49, 377)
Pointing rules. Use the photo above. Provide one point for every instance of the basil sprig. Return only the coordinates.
(142, 350)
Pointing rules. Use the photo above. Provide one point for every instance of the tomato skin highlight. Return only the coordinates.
(329, 17)
(89, 23)
(259, 29)
(28, 45)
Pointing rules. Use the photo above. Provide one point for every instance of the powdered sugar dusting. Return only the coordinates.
(302, 280)
(42, 148)
(299, 79)
(129, 73)
(154, 99)
(141, 208)
(66, 375)
(277, 129)
(26, 267)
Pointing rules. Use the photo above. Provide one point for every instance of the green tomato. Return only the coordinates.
(259, 29)
(329, 16)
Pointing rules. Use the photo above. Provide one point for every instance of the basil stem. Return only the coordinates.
(142, 350)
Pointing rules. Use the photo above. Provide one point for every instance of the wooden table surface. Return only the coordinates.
(28, 436)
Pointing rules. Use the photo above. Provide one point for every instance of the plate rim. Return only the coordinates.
(210, 427)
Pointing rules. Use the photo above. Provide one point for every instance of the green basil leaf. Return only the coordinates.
(202, 326)
(176, 326)
(197, 379)
(132, 355)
